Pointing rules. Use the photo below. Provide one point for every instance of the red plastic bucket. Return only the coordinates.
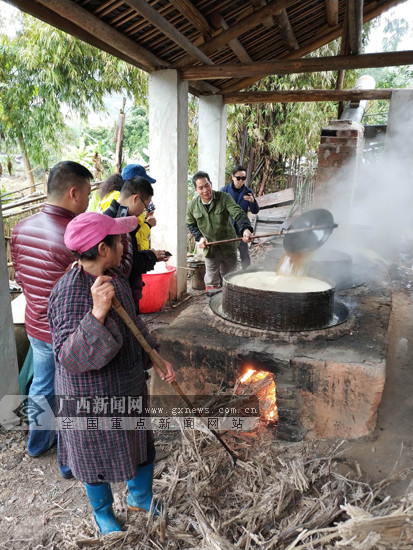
(156, 290)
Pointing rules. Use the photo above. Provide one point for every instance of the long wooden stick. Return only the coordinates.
(282, 232)
(156, 359)
(240, 238)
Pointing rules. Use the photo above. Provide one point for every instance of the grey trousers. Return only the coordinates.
(218, 266)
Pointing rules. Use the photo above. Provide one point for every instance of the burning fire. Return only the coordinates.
(261, 384)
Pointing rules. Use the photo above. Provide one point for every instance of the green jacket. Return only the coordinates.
(215, 224)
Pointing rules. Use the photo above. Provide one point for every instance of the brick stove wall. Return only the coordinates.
(329, 382)
(341, 145)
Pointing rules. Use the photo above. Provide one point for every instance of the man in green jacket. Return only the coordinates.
(209, 219)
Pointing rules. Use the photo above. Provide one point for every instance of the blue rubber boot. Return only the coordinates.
(101, 499)
(140, 490)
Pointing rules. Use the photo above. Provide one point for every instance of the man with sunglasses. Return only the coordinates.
(134, 199)
(244, 197)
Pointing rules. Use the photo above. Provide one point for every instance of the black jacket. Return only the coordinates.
(142, 260)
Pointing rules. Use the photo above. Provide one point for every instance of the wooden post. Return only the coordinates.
(344, 50)
(244, 141)
(250, 164)
(119, 138)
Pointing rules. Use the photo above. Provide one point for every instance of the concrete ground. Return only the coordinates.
(390, 449)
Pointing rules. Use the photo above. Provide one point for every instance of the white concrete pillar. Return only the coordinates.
(396, 173)
(168, 158)
(8, 356)
(212, 138)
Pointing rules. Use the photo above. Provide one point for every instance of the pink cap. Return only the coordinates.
(90, 228)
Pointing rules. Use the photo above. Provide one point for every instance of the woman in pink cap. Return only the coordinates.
(100, 380)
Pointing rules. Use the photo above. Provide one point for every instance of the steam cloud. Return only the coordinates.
(372, 199)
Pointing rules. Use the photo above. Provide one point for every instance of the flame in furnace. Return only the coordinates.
(262, 384)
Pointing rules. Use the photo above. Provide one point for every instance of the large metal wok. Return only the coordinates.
(309, 231)
(302, 234)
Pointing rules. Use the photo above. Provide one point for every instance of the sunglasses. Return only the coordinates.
(243, 178)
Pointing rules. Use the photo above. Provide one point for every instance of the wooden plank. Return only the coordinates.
(274, 214)
(297, 96)
(279, 197)
(308, 65)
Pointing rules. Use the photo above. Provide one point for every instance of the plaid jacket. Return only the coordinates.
(96, 360)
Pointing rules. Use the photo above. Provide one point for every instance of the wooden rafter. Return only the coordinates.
(107, 7)
(67, 25)
(122, 18)
(344, 50)
(235, 45)
(243, 25)
(190, 12)
(297, 96)
(268, 21)
(332, 12)
(329, 34)
(160, 34)
(286, 31)
(153, 16)
(355, 24)
(79, 22)
(307, 65)
(91, 24)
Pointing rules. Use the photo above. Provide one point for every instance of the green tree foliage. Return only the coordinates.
(280, 135)
(43, 70)
(136, 135)
(388, 77)
(135, 138)
(192, 134)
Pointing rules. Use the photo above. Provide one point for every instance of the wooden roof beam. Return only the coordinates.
(242, 26)
(234, 44)
(355, 24)
(332, 12)
(194, 16)
(106, 38)
(283, 24)
(156, 19)
(297, 96)
(286, 31)
(306, 65)
(107, 7)
(329, 34)
(83, 19)
(268, 21)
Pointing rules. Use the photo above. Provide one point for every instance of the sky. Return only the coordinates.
(402, 11)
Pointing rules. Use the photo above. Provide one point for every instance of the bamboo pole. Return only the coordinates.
(119, 138)
(157, 359)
